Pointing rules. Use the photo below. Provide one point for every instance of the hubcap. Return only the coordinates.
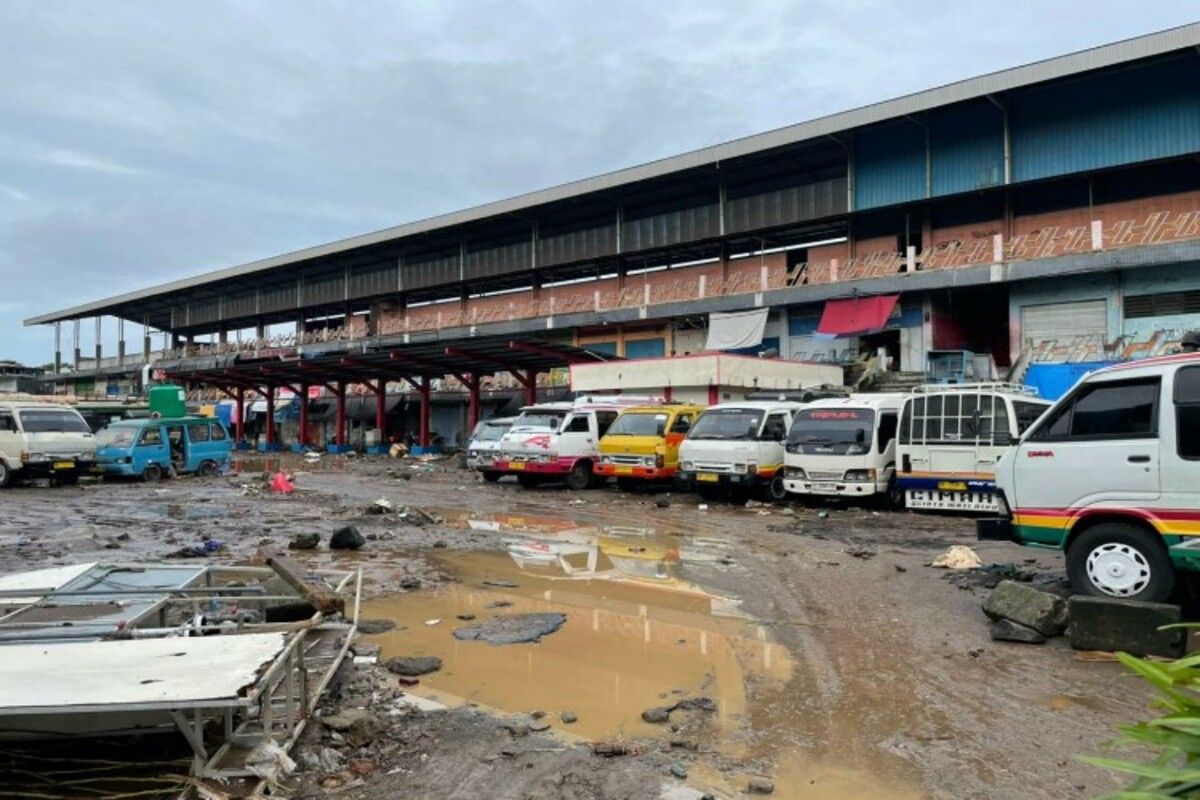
(1118, 569)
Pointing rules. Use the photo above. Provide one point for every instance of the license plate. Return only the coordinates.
(825, 488)
(708, 477)
(516, 466)
(624, 470)
(64, 465)
(952, 486)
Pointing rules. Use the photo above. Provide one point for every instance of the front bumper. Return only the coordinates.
(50, 468)
(996, 529)
(558, 466)
(841, 488)
(635, 471)
(701, 479)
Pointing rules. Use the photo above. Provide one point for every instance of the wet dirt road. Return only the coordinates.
(838, 665)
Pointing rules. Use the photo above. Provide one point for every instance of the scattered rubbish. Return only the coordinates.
(860, 552)
(610, 749)
(432, 622)
(305, 541)
(398, 450)
(679, 771)
(1130, 626)
(822, 514)
(662, 502)
(281, 483)
(380, 506)
(347, 538)
(464, 617)
(356, 725)
(513, 628)
(957, 557)
(411, 666)
(499, 584)
(900, 568)
(375, 626)
(499, 604)
(661, 714)
(1005, 630)
(703, 507)
(270, 762)
(1024, 605)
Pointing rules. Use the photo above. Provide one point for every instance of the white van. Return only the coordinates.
(560, 441)
(951, 437)
(1111, 475)
(44, 440)
(737, 447)
(484, 445)
(845, 447)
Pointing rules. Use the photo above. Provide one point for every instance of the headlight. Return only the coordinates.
(796, 473)
(606, 459)
(687, 466)
(473, 453)
(860, 475)
(1002, 504)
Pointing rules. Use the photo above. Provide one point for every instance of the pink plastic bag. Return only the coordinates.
(280, 482)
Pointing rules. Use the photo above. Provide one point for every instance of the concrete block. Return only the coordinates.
(1129, 626)
(1005, 630)
(1024, 605)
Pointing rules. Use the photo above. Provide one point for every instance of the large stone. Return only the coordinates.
(413, 665)
(658, 715)
(304, 541)
(1005, 630)
(375, 626)
(1129, 626)
(347, 538)
(1024, 605)
(512, 628)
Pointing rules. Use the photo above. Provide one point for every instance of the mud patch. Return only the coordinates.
(512, 628)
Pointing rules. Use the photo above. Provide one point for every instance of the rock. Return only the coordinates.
(365, 650)
(568, 717)
(512, 628)
(662, 502)
(679, 771)
(362, 767)
(465, 617)
(696, 704)
(539, 725)
(347, 538)
(1131, 626)
(305, 541)
(537, 714)
(440, 544)
(657, 715)
(957, 557)
(501, 584)
(380, 506)
(610, 749)
(685, 744)
(860, 552)
(358, 726)
(375, 626)
(413, 665)
(1005, 630)
(1042, 611)
(760, 786)
(409, 582)
(499, 604)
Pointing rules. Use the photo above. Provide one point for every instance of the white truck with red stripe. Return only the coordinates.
(560, 441)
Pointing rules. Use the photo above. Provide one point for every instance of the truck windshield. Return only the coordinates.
(639, 424)
(116, 436)
(539, 419)
(489, 432)
(832, 431)
(727, 423)
(52, 420)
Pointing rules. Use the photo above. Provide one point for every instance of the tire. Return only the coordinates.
(528, 481)
(491, 476)
(709, 493)
(1121, 560)
(206, 469)
(628, 484)
(894, 497)
(580, 476)
(774, 491)
(68, 479)
(152, 473)
(6, 476)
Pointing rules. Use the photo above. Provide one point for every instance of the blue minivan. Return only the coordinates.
(152, 448)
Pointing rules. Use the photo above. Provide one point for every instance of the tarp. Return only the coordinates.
(856, 315)
(1053, 380)
(736, 330)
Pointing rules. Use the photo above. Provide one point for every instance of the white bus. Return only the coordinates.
(844, 447)
(951, 437)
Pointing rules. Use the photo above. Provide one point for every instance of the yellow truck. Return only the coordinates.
(642, 445)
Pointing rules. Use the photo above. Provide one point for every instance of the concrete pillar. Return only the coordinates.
(260, 330)
(99, 346)
(120, 342)
(146, 346)
(75, 340)
(223, 336)
(57, 347)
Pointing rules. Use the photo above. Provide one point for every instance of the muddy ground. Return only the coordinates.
(817, 648)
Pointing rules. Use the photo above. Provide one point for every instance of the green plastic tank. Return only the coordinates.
(168, 400)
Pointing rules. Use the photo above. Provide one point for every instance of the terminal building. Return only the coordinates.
(1042, 215)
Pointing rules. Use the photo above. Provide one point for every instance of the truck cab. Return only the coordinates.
(559, 441)
(737, 448)
(643, 444)
(44, 440)
(1111, 475)
(845, 447)
(484, 444)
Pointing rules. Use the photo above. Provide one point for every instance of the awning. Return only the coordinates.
(737, 330)
(856, 315)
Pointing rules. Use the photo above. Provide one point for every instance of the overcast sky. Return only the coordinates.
(146, 141)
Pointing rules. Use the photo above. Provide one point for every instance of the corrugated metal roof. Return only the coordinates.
(1049, 69)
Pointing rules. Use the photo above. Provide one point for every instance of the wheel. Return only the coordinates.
(709, 493)
(491, 476)
(527, 481)
(6, 475)
(1117, 559)
(774, 490)
(628, 484)
(894, 497)
(206, 469)
(580, 476)
(152, 473)
(68, 479)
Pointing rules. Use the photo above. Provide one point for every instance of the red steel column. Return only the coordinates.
(240, 427)
(424, 391)
(270, 415)
(381, 410)
(304, 415)
(473, 403)
(531, 387)
(340, 434)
